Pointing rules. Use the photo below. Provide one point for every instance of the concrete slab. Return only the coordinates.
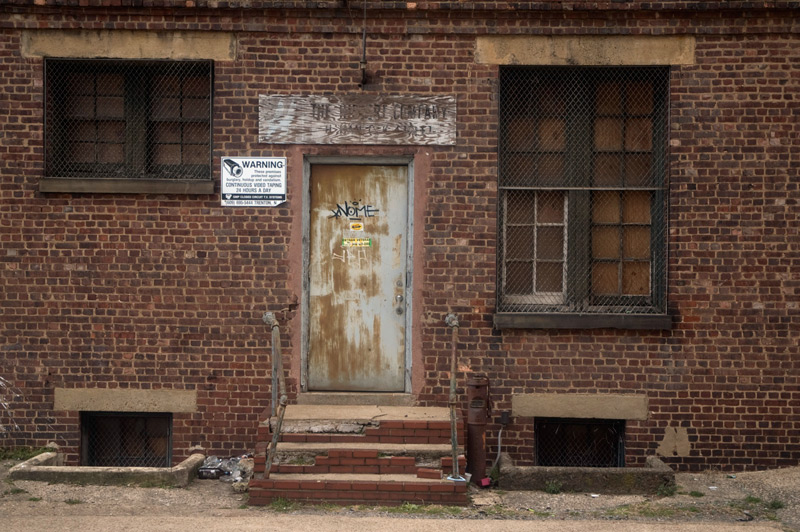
(351, 398)
(43, 468)
(365, 413)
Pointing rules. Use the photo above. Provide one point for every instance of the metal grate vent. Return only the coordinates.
(126, 439)
(579, 442)
(128, 119)
(582, 189)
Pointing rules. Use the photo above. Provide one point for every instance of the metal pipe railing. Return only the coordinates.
(452, 321)
(277, 368)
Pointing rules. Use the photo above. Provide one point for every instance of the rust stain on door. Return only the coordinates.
(357, 285)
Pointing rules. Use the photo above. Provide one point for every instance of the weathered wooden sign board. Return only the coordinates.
(357, 119)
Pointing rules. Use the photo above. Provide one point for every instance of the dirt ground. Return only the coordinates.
(768, 497)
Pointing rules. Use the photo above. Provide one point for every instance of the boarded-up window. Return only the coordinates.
(582, 181)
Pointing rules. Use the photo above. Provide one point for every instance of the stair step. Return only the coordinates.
(359, 455)
(357, 489)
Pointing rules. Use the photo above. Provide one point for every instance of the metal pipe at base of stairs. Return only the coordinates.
(452, 321)
(277, 364)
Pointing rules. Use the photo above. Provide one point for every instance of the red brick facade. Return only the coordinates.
(167, 291)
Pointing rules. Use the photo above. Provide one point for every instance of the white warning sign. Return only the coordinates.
(253, 181)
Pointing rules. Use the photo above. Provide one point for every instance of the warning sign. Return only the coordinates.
(253, 181)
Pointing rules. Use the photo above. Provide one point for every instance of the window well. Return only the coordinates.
(579, 442)
(126, 439)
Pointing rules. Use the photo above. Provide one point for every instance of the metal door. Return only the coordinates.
(357, 278)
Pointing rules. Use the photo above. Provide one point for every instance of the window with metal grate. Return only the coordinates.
(136, 123)
(126, 439)
(582, 180)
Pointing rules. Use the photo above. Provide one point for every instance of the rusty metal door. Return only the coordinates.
(357, 278)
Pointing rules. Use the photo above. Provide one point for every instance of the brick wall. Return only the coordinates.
(149, 291)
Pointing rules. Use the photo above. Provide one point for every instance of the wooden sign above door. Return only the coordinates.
(357, 119)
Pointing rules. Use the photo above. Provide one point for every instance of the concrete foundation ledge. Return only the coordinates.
(45, 468)
(646, 480)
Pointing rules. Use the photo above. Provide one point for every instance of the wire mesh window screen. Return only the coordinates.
(126, 439)
(582, 189)
(579, 442)
(128, 119)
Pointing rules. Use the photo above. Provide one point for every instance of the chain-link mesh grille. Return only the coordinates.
(126, 440)
(128, 119)
(580, 443)
(582, 182)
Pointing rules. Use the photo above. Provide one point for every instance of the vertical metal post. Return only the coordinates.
(277, 363)
(452, 321)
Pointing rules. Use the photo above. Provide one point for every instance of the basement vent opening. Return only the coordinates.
(579, 442)
(123, 439)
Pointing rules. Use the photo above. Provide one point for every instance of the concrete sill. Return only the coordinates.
(48, 467)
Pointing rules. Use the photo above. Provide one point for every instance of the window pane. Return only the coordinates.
(605, 207)
(605, 243)
(549, 276)
(196, 133)
(195, 154)
(636, 278)
(637, 170)
(550, 207)
(519, 278)
(551, 170)
(80, 107)
(549, 98)
(636, 242)
(551, 135)
(166, 154)
(520, 207)
(520, 133)
(638, 135)
(550, 243)
(519, 243)
(608, 134)
(640, 98)
(607, 170)
(196, 87)
(165, 108)
(110, 153)
(608, 99)
(164, 132)
(111, 107)
(195, 109)
(81, 152)
(636, 207)
(605, 278)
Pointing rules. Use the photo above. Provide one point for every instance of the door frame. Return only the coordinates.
(308, 162)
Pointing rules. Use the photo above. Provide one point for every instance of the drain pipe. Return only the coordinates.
(452, 321)
(277, 367)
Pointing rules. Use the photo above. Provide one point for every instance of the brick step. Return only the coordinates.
(359, 455)
(362, 461)
(386, 432)
(346, 489)
(307, 453)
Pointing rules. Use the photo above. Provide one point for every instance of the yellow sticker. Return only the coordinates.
(356, 226)
(356, 242)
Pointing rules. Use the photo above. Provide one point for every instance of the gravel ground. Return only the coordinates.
(768, 497)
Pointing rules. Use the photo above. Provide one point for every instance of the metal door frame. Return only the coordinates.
(308, 162)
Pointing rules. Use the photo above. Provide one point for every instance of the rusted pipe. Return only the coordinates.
(452, 321)
(277, 364)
